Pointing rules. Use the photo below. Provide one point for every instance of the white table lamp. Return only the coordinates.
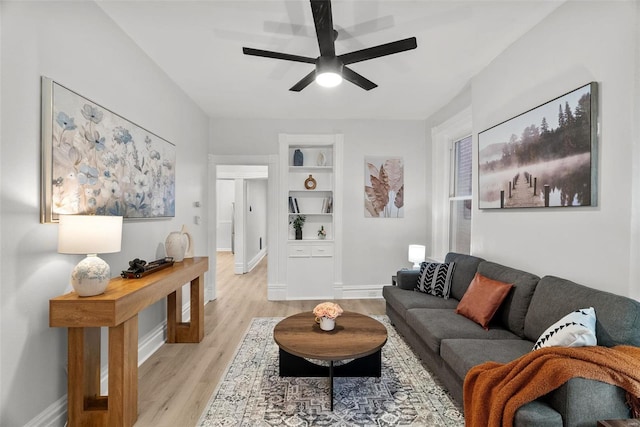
(416, 255)
(90, 235)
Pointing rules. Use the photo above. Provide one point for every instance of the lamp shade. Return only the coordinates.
(89, 234)
(416, 254)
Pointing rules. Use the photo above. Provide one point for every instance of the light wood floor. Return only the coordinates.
(177, 381)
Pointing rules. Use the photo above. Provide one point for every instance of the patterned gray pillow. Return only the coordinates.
(435, 278)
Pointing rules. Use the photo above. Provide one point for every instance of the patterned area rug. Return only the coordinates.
(253, 394)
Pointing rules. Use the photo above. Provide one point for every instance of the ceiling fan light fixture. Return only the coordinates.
(328, 71)
(329, 79)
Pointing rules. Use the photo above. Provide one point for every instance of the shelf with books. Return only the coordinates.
(306, 203)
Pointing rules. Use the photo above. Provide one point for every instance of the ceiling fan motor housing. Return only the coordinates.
(329, 65)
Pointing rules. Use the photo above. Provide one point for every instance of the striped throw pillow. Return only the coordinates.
(435, 278)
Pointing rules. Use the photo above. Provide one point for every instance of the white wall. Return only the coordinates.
(374, 248)
(225, 193)
(634, 253)
(578, 43)
(256, 215)
(76, 44)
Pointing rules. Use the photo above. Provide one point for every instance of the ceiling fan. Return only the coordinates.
(331, 69)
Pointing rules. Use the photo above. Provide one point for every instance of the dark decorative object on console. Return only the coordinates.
(298, 158)
(139, 268)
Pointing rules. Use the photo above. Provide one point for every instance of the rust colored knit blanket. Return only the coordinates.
(493, 391)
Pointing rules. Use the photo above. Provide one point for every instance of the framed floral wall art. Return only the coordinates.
(97, 162)
(383, 187)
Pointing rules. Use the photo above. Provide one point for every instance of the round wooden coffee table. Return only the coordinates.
(356, 338)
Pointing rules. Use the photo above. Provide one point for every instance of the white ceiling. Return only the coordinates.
(199, 45)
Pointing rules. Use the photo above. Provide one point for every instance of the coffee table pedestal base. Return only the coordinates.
(295, 366)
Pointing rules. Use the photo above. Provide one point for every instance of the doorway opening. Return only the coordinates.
(242, 214)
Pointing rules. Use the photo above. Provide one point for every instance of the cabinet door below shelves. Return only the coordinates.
(310, 277)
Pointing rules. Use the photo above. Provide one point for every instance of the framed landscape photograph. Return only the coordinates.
(544, 157)
(97, 162)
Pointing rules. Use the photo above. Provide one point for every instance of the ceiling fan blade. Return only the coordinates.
(306, 81)
(323, 21)
(357, 79)
(277, 55)
(378, 51)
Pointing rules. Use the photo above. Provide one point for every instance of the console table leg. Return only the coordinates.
(196, 326)
(174, 315)
(123, 373)
(192, 331)
(84, 377)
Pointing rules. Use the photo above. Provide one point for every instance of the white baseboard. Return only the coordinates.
(55, 415)
(340, 291)
(276, 292)
(256, 259)
(362, 292)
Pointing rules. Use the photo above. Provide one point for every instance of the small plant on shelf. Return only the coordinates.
(322, 233)
(297, 223)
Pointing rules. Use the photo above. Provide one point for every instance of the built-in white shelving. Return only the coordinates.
(309, 189)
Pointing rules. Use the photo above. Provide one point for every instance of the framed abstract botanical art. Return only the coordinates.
(97, 162)
(544, 157)
(383, 187)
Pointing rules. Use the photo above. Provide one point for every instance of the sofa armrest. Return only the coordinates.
(582, 402)
(407, 279)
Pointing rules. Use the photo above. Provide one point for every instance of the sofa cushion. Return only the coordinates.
(514, 309)
(576, 329)
(466, 267)
(537, 414)
(401, 300)
(463, 354)
(482, 299)
(435, 278)
(407, 279)
(618, 317)
(434, 325)
(575, 400)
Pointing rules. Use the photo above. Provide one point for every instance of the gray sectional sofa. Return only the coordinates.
(450, 344)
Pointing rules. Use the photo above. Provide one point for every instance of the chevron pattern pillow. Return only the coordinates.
(435, 278)
(576, 329)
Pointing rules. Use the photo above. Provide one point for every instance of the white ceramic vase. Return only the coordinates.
(188, 253)
(327, 324)
(176, 245)
(322, 159)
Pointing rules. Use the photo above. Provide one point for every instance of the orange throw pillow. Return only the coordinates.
(482, 299)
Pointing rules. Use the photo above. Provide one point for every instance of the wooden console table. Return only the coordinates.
(118, 310)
